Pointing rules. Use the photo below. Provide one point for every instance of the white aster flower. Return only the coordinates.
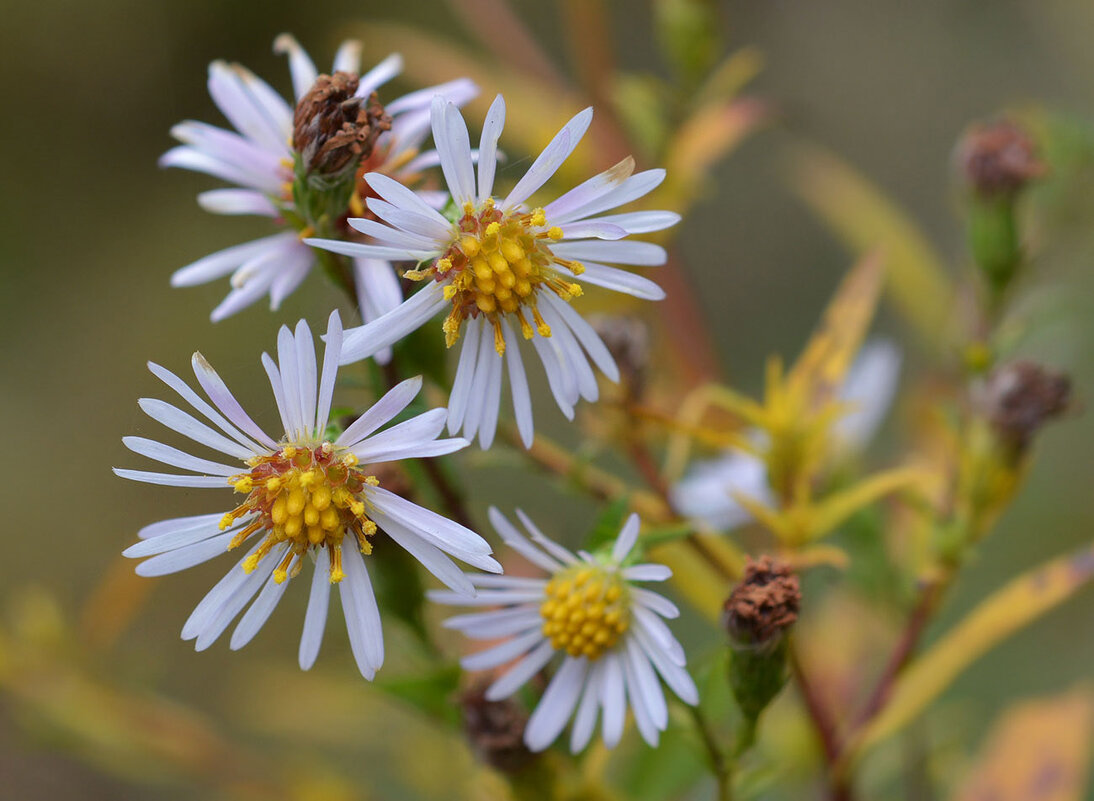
(306, 497)
(707, 492)
(258, 158)
(609, 631)
(501, 268)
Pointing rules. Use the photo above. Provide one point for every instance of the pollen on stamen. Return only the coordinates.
(307, 496)
(586, 611)
(497, 265)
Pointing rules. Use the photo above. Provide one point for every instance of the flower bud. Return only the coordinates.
(758, 614)
(333, 129)
(998, 158)
(495, 729)
(1019, 398)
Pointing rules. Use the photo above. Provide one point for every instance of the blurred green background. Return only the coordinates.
(92, 229)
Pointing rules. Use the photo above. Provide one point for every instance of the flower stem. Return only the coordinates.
(721, 765)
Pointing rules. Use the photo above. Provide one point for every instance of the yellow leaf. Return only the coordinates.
(1037, 751)
(729, 78)
(866, 220)
(829, 353)
(700, 141)
(997, 617)
(835, 509)
(817, 555)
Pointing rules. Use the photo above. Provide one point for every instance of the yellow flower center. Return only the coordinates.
(586, 611)
(496, 265)
(308, 496)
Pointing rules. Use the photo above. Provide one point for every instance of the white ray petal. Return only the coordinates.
(518, 385)
(585, 719)
(379, 75)
(520, 673)
(259, 612)
(366, 636)
(348, 57)
(549, 160)
(465, 375)
(628, 536)
(186, 556)
(331, 352)
(176, 458)
(301, 67)
(621, 281)
(588, 337)
(383, 332)
(226, 402)
(237, 201)
(315, 619)
(504, 652)
(177, 524)
(488, 147)
(557, 705)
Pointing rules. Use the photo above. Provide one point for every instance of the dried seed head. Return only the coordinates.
(495, 729)
(332, 128)
(1020, 397)
(998, 158)
(765, 604)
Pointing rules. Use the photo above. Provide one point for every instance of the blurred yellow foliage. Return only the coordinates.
(995, 619)
(1037, 751)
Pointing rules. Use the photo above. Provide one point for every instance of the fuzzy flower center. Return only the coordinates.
(306, 495)
(496, 265)
(586, 611)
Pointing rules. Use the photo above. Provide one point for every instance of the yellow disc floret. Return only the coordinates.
(586, 610)
(496, 266)
(308, 496)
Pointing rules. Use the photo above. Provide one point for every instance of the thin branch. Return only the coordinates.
(720, 766)
(839, 788)
(902, 652)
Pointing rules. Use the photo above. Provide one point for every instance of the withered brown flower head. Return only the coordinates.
(998, 158)
(495, 729)
(765, 603)
(332, 128)
(1020, 397)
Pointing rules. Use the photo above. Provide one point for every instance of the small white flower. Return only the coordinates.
(258, 158)
(501, 268)
(707, 492)
(305, 497)
(610, 632)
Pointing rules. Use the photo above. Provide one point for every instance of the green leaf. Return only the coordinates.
(607, 526)
(429, 693)
(399, 588)
(423, 353)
